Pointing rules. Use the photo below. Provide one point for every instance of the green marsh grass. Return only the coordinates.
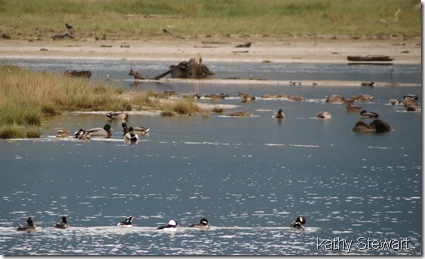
(26, 97)
(136, 19)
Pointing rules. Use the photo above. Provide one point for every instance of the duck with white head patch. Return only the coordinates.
(298, 223)
(172, 226)
(203, 224)
(127, 223)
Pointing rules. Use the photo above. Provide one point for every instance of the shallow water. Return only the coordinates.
(251, 177)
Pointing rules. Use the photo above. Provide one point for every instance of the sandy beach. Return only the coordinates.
(262, 49)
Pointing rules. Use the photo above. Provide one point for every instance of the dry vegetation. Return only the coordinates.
(27, 96)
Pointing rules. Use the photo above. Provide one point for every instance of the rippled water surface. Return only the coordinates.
(251, 177)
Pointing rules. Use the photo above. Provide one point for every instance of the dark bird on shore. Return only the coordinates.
(165, 31)
(367, 84)
(69, 26)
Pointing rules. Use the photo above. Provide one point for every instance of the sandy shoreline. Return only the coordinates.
(291, 50)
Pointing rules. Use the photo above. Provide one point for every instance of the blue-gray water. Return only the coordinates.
(251, 177)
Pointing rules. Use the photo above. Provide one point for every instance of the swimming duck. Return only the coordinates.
(104, 132)
(127, 223)
(203, 224)
(410, 104)
(217, 96)
(368, 115)
(172, 225)
(352, 108)
(323, 115)
(244, 97)
(30, 227)
(362, 97)
(298, 223)
(280, 114)
(62, 133)
(380, 126)
(362, 127)
(396, 102)
(413, 97)
(81, 134)
(138, 130)
(131, 136)
(117, 116)
(334, 98)
(63, 224)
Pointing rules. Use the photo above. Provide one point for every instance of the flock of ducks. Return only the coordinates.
(298, 223)
(377, 125)
(130, 133)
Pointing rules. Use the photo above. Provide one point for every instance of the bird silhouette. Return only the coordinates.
(69, 26)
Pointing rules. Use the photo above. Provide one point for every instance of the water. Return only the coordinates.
(251, 177)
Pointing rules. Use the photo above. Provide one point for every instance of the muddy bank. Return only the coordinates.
(295, 50)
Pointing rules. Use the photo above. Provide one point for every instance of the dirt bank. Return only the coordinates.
(307, 50)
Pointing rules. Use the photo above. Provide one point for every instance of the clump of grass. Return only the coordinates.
(11, 131)
(143, 100)
(27, 96)
(49, 109)
(185, 107)
(218, 109)
(33, 133)
(16, 113)
(167, 113)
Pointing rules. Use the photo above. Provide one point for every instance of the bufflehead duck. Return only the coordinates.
(172, 225)
(298, 223)
(104, 132)
(131, 136)
(63, 224)
(126, 223)
(29, 227)
(203, 224)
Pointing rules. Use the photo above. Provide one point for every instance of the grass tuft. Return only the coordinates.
(27, 96)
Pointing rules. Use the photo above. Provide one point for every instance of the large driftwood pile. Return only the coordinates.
(192, 69)
(370, 58)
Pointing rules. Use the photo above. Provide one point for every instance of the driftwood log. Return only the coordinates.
(193, 69)
(370, 58)
(63, 35)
